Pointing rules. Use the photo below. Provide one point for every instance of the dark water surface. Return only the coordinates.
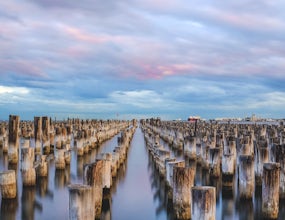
(137, 193)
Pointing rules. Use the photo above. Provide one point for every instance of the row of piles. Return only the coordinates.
(43, 140)
(254, 153)
(85, 200)
(188, 201)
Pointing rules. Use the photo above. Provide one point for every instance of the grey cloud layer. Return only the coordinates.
(171, 57)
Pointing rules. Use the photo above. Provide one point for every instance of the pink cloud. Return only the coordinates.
(81, 35)
(245, 20)
(155, 70)
(23, 67)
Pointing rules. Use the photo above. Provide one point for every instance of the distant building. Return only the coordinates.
(253, 117)
(194, 118)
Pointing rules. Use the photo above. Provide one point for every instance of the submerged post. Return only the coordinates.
(38, 133)
(183, 180)
(228, 169)
(261, 158)
(8, 184)
(215, 162)
(42, 169)
(46, 134)
(169, 170)
(59, 159)
(190, 147)
(204, 202)
(80, 202)
(246, 176)
(270, 190)
(14, 123)
(28, 170)
(93, 177)
(107, 175)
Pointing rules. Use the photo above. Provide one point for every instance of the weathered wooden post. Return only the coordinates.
(86, 147)
(80, 202)
(5, 145)
(8, 184)
(59, 159)
(178, 140)
(228, 169)
(68, 137)
(42, 168)
(46, 134)
(14, 123)
(183, 180)
(169, 170)
(79, 146)
(215, 162)
(270, 190)
(246, 149)
(206, 156)
(63, 135)
(246, 176)
(162, 155)
(28, 170)
(2, 134)
(230, 147)
(190, 147)
(115, 163)
(279, 152)
(199, 152)
(58, 138)
(93, 176)
(67, 157)
(26, 143)
(38, 134)
(120, 151)
(261, 158)
(52, 141)
(107, 175)
(204, 202)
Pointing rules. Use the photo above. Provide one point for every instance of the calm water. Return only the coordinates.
(135, 197)
(137, 193)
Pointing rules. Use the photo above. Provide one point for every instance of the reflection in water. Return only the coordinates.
(119, 178)
(205, 177)
(67, 174)
(161, 196)
(106, 206)
(4, 160)
(8, 209)
(62, 178)
(216, 182)
(258, 202)
(133, 198)
(198, 175)
(59, 179)
(42, 188)
(28, 203)
(228, 205)
(282, 208)
(245, 209)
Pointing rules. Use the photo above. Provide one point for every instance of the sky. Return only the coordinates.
(142, 58)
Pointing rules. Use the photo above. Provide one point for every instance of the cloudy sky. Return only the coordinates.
(142, 58)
